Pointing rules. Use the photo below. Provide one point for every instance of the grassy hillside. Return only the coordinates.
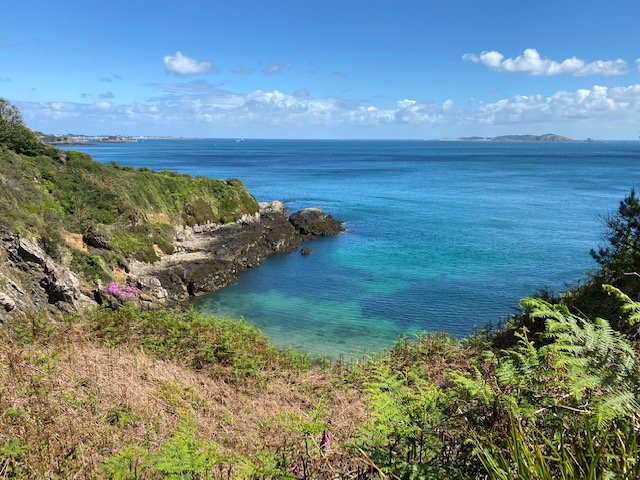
(162, 394)
(65, 197)
(128, 394)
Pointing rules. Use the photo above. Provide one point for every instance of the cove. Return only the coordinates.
(439, 235)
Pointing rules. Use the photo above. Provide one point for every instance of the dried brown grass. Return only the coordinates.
(73, 403)
(74, 240)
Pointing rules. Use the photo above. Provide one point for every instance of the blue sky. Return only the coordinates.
(324, 69)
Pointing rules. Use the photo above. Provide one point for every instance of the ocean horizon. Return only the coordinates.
(440, 235)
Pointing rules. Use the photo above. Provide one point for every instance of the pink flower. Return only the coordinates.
(324, 440)
(123, 291)
(294, 471)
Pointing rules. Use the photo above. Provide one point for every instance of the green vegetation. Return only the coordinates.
(124, 212)
(622, 254)
(131, 394)
(169, 394)
(15, 136)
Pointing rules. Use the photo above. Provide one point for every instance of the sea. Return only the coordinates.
(441, 236)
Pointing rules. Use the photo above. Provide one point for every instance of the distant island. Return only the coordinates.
(547, 137)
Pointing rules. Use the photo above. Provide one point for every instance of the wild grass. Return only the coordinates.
(78, 398)
(139, 394)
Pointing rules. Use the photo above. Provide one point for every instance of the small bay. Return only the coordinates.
(439, 235)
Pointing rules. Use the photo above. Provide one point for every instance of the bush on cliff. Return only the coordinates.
(620, 254)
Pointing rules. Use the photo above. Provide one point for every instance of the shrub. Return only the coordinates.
(621, 254)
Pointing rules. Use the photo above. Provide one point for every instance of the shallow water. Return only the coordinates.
(440, 235)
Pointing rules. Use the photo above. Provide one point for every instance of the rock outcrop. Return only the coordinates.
(30, 281)
(205, 258)
(211, 257)
(312, 222)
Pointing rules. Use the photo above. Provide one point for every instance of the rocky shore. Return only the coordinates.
(205, 258)
(209, 257)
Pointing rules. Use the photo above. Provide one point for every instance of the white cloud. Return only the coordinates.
(406, 103)
(532, 63)
(194, 108)
(599, 105)
(103, 105)
(638, 63)
(243, 70)
(110, 78)
(180, 64)
(275, 67)
(301, 92)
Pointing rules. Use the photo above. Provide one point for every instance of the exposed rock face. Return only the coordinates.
(211, 258)
(30, 280)
(94, 238)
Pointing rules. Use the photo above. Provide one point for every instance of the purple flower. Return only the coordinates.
(324, 440)
(294, 471)
(123, 291)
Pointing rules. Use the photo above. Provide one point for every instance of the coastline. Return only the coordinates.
(206, 258)
(210, 257)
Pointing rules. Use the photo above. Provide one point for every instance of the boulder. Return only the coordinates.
(6, 302)
(312, 222)
(97, 238)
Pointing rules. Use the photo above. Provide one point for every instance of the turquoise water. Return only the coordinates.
(440, 235)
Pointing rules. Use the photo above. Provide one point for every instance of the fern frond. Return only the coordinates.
(476, 387)
(543, 309)
(616, 405)
(631, 308)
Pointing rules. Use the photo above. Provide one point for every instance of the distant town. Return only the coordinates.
(71, 139)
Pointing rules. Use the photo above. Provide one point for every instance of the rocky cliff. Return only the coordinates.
(204, 258)
(31, 281)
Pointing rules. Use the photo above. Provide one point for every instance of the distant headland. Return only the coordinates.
(547, 137)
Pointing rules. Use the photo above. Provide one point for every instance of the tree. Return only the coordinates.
(10, 119)
(15, 136)
(622, 253)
